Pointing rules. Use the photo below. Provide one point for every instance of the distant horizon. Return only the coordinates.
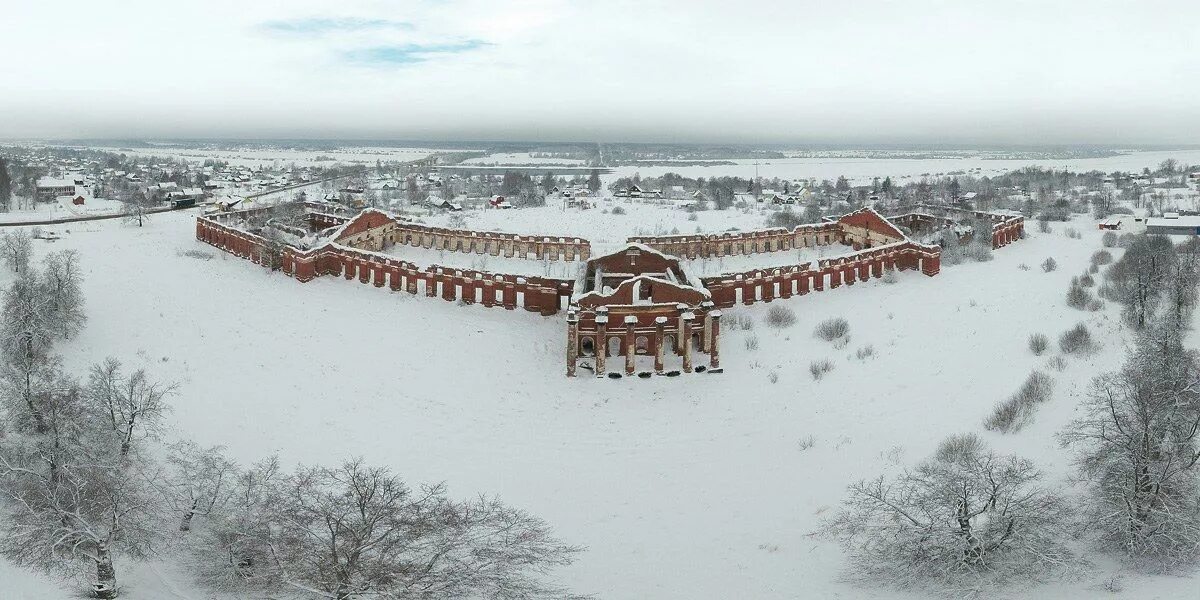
(397, 142)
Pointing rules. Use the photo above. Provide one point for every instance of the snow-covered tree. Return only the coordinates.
(197, 481)
(1140, 276)
(354, 531)
(62, 281)
(72, 499)
(135, 207)
(132, 406)
(967, 517)
(27, 321)
(1138, 447)
(15, 248)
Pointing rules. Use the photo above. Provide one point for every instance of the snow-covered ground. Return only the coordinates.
(689, 487)
(861, 171)
(604, 229)
(245, 157)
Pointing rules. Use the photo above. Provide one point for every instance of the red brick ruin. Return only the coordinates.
(637, 302)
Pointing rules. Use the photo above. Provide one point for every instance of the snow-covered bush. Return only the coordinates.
(780, 317)
(964, 520)
(1023, 267)
(1043, 225)
(1086, 280)
(197, 254)
(1077, 296)
(773, 377)
(979, 252)
(832, 329)
(891, 276)
(1072, 233)
(865, 352)
(1049, 264)
(1016, 412)
(1095, 306)
(1109, 239)
(818, 368)
(1102, 257)
(617, 210)
(1038, 343)
(1076, 340)
(752, 342)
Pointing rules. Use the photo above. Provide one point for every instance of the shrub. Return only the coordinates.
(1102, 257)
(200, 254)
(1125, 240)
(1073, 233)
(1057, 363)
(1086, 280)
(780, 317)
(1043, 225)
(1093, 269)
(1038, 343)
(832, 329)
(1078, 296)
(891, 277)
(865, 352)
(752, 343)
(743, 321)
(617, 210)
(818, 368)
(773, 377)
(1109, 239)
(1049, 264)
(1016, 412)
(1023, 267)
(1095, 306)
(1076, 340)
(979, 252)
(693, 217)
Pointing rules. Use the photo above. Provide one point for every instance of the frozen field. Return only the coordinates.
(283, 157)
(691, 487)
(861, 171)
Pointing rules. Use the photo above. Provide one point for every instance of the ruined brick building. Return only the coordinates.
(639, 304)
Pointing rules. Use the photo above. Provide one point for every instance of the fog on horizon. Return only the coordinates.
(553, 70)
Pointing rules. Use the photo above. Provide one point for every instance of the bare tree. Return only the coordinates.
(1140, 276)
(132, 406)
(135, 207)
(62, 282)
(27, 327)
(966, 517)
(1137, 447)
(354, 530)
(196, 481)
(85, 509)
(16, 247)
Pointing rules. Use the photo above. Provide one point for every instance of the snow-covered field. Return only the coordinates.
(281, 156)
(690, 487)
(860, 171)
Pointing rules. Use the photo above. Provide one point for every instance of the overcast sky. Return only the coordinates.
(749, 71)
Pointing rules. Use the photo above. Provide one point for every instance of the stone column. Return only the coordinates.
(572, 342)
(706, 334)
(630, 344)
(680, 308)
(685, 326)
(714, 353)
(601, 340)
(660, 324)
